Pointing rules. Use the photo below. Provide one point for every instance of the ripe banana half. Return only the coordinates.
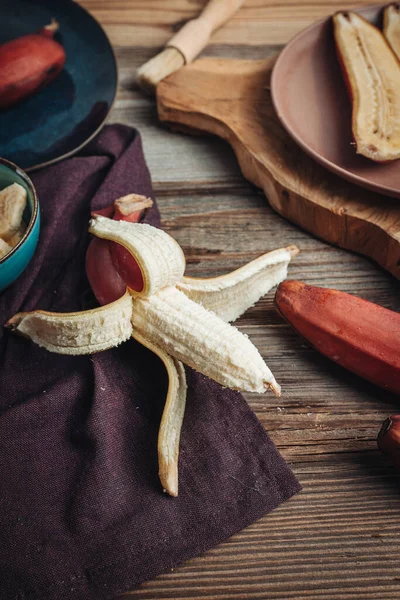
(181, 319)
(391, 27)
(372, 75)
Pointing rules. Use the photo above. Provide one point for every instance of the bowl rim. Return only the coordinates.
(35, 209)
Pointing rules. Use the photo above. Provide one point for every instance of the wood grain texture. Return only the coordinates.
(338, 539)
(149, 23)
(231, 99)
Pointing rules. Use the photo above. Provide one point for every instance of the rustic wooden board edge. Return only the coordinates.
(230, 99)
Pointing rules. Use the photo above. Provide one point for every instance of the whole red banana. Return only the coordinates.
(358, 335)
(29, 63)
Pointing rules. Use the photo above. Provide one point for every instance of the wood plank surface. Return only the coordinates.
(338, 539)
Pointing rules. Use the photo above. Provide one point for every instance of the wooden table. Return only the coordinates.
(338, 538)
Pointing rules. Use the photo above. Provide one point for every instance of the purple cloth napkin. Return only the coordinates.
(82, 513)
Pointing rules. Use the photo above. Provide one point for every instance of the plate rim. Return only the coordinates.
(75, 150)
(331, 166)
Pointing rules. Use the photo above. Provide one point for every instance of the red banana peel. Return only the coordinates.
(389, 439)
(129, 208)
(109, 266)
(358, 335)
(106, 283)
(29, 63)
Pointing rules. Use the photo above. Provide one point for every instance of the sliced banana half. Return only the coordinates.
(13, 201)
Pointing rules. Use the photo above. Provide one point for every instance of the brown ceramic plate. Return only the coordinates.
(311, 101)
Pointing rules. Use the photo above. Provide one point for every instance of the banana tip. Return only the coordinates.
(170, 482)
(13, 322)
(293, 250)
(274, 386)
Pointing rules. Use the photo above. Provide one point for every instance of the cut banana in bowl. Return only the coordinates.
(182, 320)
(12, 205)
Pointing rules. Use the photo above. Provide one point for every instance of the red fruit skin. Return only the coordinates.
(358, 335)
(389, 439)
(104, 280)
(126, 266)
(108, 212)
(109, 266)
(28, 64)
(123, 260)
(132, 218)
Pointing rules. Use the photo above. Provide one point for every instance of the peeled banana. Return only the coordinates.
(202, 340)
(181, 319)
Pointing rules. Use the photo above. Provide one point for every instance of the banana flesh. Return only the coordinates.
(77, 333)
(12, 205)
(372, 72)
(159, 256)
(14, 239)
(391, 27)
(4, 248)
(200, 339)
(229, 296)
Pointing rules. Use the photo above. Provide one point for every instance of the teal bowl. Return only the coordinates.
(16, 261)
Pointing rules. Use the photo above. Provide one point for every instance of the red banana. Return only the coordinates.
(29, 63)
(358, 335)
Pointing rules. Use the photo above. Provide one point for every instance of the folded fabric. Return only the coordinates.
(82, 513)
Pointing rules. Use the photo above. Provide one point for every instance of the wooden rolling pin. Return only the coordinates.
(183, 48)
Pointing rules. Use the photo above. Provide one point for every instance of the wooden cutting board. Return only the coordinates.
(231, 99)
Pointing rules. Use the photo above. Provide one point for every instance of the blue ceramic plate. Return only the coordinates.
(61, 118)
